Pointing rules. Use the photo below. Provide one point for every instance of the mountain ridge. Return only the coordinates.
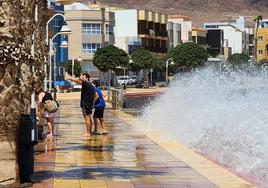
(199, 10)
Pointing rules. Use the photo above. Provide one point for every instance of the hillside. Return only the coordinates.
(200, 10)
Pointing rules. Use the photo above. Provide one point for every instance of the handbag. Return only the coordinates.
(51, 106)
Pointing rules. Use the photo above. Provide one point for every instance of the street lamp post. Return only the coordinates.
(73, 67)
(73, 59)
(167, 63)
(119, 67)
(151, 76)
(124, 68)
(64, 31)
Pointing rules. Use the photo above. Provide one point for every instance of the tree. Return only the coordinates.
(190, 55)
(257, 20)
(18, 79)
(142, 59)
(160, 64)
(238, 60)
(109, 58)
(77, 68)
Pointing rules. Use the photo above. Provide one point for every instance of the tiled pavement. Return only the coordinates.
(123, 158)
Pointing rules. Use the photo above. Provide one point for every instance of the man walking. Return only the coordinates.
(87, 98)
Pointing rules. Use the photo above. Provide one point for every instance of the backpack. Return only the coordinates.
(51, 106)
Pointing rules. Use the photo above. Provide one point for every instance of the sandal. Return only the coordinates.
(104, 132)
(94, 132)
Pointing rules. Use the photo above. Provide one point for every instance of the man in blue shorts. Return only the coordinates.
(99, 109)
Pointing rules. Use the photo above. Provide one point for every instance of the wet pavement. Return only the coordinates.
(123, 158)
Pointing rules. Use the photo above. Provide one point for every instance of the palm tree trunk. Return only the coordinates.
(17, 27)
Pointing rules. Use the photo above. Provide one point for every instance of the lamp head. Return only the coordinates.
(119, 67)
(80, 59)
(64, 44)
(65, 30)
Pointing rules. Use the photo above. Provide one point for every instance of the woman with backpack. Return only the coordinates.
(44, 99)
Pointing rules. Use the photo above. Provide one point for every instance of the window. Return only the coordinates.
(211, 26)
(90, 47)
(91, 28)
(259, 38)
(61, 71)
(109, 29)
(170, 34)
(260, 52)
(251, 39)
(56, 23)
(194, 39)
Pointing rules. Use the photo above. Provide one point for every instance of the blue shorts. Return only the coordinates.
(86, 110)
(98, 112)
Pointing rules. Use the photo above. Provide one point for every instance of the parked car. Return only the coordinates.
(77, 87)
(132, 80)
(139, 84)
(122, 80)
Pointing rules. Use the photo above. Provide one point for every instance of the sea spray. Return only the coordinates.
(223, 115)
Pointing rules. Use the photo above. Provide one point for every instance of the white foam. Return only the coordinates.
(222, 115)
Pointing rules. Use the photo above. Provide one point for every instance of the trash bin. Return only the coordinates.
(25, 148)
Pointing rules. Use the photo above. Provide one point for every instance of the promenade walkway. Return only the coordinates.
(125, 158)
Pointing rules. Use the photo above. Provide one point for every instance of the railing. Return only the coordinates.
(117, 98)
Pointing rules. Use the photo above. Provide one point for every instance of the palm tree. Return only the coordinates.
(17, 80)
(256, 20)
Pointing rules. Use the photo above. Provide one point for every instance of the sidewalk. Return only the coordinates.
(124, 158)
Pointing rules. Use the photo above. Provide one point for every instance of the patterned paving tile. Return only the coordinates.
(123, 158)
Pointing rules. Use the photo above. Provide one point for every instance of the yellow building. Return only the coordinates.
(152, 29)
(199, 36)
(262, 41)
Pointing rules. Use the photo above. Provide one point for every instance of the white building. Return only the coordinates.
(141, 28)
(126, 30)
(186, 26)
(174, 34)
(235, 34)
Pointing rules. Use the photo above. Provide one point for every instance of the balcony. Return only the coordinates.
(153, 32)
(155, 49)
(144, 32)
(161, 33)
(161, 50)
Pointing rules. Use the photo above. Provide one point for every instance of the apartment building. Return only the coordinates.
(262, 40)
(199, 36)
(174, 34)
(215, 42)
(92, 28)
(186, 26)
(141, 29)
(235, 33)
(250, 42)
